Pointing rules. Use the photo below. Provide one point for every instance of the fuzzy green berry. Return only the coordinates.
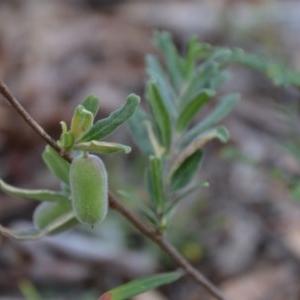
(89, 190)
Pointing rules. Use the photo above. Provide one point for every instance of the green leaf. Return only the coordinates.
(224, 107)
(82, 121)
(155, 73)
(194, 52)
(209, 74)
(155, 182)
(42, 195)
(192, 107)
(28, 290)
(184, 173)
(163, 41)
(56, 164)
(67, 139)
(91, 103)
(35, 234)
(106, 126)
(220, 133)
(139, 130)
(140, 286)
(159, 150)
(222, 55)
(200, 79)
(47, 212)
(160, 114)
(102, 147)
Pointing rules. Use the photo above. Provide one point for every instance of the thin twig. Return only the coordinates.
(13, 101)
(168, 248)
(151, 234)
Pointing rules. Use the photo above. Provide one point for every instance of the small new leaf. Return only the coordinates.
(67, 139)
(82, 121)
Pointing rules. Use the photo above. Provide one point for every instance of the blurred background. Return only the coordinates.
(243, 231)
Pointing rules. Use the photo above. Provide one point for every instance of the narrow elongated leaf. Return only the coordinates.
(28, 290)
(192, 107)
(102, 147)
(220, 133)
(91, 103)
(106, 126)
(185, 172)
(224, 107)
(56, 164)
(140, 286)
(156, 73)
(42, 195)
(199, 80)
(158, 149)
(155, 182)
(139, 131)
(163, 41)
(35, 234)
(194, 52)
(160, 114)
(208, 74)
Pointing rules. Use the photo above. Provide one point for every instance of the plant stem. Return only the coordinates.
(12, 100)
(156, 237)
(164, 244)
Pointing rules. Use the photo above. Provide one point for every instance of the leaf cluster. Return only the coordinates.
(56, 213)
(168, 132)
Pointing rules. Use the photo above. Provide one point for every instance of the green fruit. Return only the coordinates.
(89, 190)
(48, 212)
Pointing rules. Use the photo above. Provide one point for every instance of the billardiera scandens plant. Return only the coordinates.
(83, 197)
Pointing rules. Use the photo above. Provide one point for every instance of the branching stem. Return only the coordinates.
(168, 248)
(156, 237)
